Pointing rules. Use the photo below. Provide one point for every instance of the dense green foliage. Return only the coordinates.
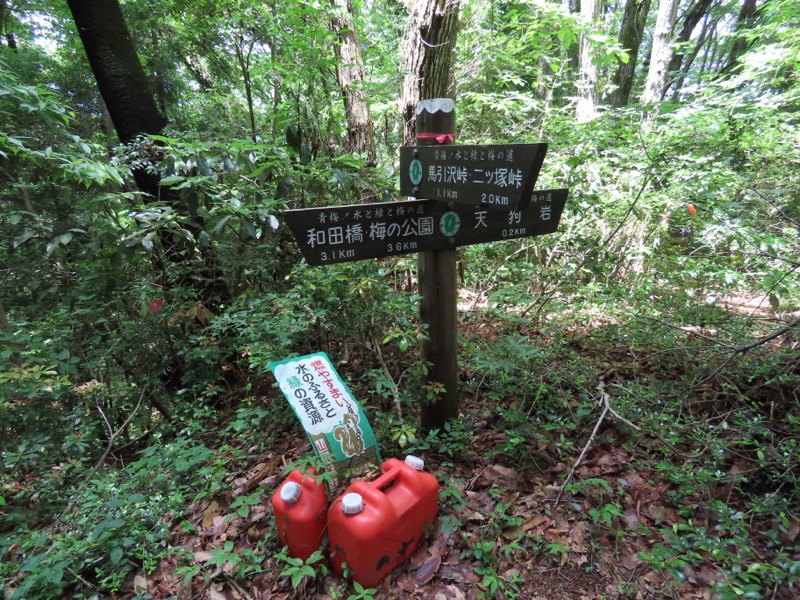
(135, 332)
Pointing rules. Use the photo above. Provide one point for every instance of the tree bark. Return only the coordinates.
(4, 29)
(660, 55)
(588, 72)
(198, 72)
(702, 41)
(746, 15)
(631, 31)
(350, 75)
(120, 76)
(126, 92)
(428, 52)
(693, 16)
(428, 57)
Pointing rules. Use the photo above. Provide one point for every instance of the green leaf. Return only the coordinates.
(222, 222)
(115, 503)
(203, 168)
(285, 186)
(342, 178)
(250, 228)
(18, 241)
(293, 139)
(305, 154)
(147, 242)
(172, 179)
(774, 302)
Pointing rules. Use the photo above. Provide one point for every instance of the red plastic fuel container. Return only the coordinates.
(374, 527)
(301, 510)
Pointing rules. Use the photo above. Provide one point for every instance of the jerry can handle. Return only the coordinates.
(386, 479)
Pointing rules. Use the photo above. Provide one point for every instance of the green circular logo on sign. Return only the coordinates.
(449, 223)
(415, 172)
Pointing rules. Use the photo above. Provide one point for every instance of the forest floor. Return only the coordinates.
(641, 516)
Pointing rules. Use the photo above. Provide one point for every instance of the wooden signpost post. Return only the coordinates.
(467, 195)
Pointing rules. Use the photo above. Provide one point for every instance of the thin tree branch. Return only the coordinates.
(694, 333)
(593, 252)
(395, 392)
(767, 338)
(776, 207)
(105, 420)
(109, 446)
(601, 388)
(616, 414)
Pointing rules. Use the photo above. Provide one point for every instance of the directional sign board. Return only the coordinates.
(497, 176)
(360, 231)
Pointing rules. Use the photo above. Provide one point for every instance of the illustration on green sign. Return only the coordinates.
(330, 415)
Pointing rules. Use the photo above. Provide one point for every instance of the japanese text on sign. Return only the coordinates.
(344, 233)
(327, 410)
(497, 176)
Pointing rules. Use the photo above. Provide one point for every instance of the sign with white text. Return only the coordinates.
(330, 415)
(338, 234)
(495, 176)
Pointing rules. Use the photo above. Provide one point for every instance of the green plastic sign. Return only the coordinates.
(330, 415)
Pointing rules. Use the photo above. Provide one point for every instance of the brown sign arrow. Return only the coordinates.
(360, 231)
(498, 177)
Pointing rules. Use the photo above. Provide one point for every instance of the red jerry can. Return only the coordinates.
(374, 527)
(301, 510)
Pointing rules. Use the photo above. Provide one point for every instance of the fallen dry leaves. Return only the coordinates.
(551, 550)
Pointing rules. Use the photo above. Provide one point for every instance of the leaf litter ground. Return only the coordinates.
(507, 526)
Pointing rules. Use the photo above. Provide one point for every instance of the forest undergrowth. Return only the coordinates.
(687, 485)
(630, 419)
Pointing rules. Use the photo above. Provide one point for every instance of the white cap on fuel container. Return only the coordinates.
(415, 462)
(290, 492)
(352, 504)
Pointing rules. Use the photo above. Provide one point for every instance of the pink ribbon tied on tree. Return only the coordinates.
(440, 138)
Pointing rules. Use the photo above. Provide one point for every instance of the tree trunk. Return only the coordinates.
(350, 75)
(243, 51)
(690, 20)
(132, 107)
(428, 57)
(660, 55)
(588, 71)
(743, 21)
(4, 30)
(429, 51)
(198, 72)
(3, 13)
(574, 7)
(120, 77)
(634, 20)
(274, 53)
(703, 40)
